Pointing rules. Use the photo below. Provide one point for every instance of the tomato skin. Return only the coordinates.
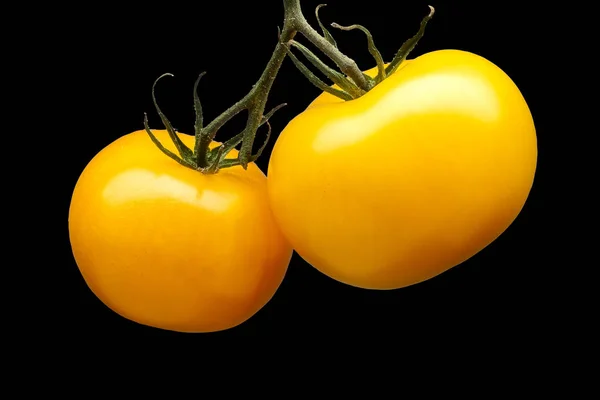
(409, 180)
(168, 247)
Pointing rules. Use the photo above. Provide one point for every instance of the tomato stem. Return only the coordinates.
(211, 161)
(351, 80)
(347, 65)
(256, 99)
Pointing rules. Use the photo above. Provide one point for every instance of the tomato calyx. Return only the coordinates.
(349, 87)
(201, 157)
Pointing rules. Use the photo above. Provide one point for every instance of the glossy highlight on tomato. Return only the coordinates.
(409, 180)
(169, 247)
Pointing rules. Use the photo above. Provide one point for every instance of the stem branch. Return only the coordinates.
(256, 99)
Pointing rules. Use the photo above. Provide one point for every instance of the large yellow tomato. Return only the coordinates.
(409, 180)
(166, 246)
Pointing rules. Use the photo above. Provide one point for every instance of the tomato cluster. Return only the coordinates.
(380, 192)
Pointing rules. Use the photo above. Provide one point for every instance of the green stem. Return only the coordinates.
(256, 99)
(347, 65)
(208, 161)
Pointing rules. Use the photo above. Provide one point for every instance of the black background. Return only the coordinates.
(496, 297)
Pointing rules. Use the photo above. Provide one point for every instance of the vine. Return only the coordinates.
(352, 82)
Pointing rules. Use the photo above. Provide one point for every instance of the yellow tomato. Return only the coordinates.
(409, 180)
(169, 247)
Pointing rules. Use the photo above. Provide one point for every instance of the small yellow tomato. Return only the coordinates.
(169, 247)
(409, 180)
